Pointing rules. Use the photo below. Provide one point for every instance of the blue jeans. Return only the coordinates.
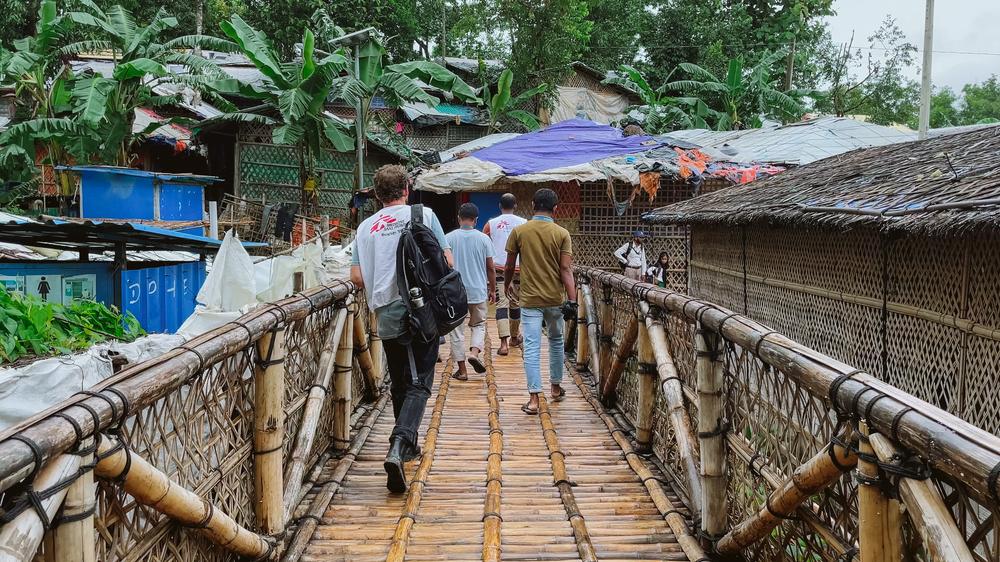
(531, 329)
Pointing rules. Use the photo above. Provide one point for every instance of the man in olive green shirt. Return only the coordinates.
(547, 292)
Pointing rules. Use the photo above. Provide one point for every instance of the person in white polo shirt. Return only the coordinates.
(508, 315)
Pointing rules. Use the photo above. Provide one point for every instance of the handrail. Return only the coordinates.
(950, 444)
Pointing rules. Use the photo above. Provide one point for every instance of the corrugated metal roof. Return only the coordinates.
(104, 236)
(189, 178)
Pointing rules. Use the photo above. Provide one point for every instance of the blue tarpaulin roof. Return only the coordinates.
(568, 143)
(182, 178)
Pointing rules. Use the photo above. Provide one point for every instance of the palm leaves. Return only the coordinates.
(660, 112)
(503, 107)
(743, 95)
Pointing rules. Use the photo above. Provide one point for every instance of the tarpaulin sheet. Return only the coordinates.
(564, 144)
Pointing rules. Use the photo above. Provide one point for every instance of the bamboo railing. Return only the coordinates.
(207, 447)
(797, 456)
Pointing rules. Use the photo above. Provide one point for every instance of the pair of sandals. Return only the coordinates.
(477, 366)
(527, 409)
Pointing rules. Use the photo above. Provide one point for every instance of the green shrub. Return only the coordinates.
(30, 326)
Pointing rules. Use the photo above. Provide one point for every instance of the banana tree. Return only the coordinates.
(504, 108)
(291, 97)
(662, 113)
(744, 95)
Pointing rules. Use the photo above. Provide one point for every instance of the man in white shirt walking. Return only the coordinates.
(508, 314)
(632, 256)
(374, 269)
(473, 253)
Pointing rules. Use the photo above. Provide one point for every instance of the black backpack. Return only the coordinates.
(421, 264)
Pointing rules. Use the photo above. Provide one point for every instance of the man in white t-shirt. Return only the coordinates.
(373, 269)
(508, 314)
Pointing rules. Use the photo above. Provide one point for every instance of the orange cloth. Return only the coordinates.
(650, 183)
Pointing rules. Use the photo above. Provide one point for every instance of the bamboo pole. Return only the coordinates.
(931, 517)
(74, 540)
(144, 384)
(401, 538)
(711, 435)
(584, 545)
(607, 333)
(677, 413)
(20, 539)
(880, 523)
(375, 347)
(592, 331)
(625, 349)
(582, 339)
(363, 356)
(307, 527)
(269, 431)
(677, 523)
(152, 488)
(808, 479)
(647, 388)
(492, 519)
(311, 413)
(958, 449)
(342, 391)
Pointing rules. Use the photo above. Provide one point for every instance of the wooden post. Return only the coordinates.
(808, 479)
(625, 349)
(607, 334)
(311, 413)
(673, 395)
(342, 391)
(879, 517)
(19, 539)
(711, 433)
(74, 541)
(363, 355)
(931, 517)
(269, 431)
(647, 388)
(149, 486)
(298, 282)
(582, 341)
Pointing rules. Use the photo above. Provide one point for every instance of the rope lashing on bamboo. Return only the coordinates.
(305, 531)
(151, 487)
(670, 512)
(820, 471)
(962, 451)
(401, 538)
(492, 516)
(625, 351)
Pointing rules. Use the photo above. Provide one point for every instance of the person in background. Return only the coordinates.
(632, 256)
(508, 315)
(547, 292)
(657, 273)
(374, 270)
(473, 253)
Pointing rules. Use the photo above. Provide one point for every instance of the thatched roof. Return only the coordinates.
(941, 185)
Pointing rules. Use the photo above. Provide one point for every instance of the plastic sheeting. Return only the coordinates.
(584, 103)
(26, 391)
(569, 143)
(228, 292)
(464, 174)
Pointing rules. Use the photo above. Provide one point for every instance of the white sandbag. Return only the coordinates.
(276, 277)
(27, 390)
(204, 320)
(230, 285)
(337, 262)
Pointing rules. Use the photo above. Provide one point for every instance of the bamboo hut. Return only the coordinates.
(885, 259)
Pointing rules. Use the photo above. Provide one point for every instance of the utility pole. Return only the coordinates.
(925, 74)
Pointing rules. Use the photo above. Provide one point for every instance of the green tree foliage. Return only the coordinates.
(744, 95)
(504, 108)
(545, 38)
(659, 112)
(981, 102)
(17, 20)
(944, 109)
(615, 32)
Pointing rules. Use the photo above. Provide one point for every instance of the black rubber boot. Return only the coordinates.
(412, 453)
(395, 476)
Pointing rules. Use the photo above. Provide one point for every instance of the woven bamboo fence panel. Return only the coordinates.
(775, 424)
(937, 339)
(200, 435)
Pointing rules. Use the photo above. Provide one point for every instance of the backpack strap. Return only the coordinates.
(417, 214)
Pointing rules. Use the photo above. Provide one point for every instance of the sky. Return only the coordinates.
(961, 27)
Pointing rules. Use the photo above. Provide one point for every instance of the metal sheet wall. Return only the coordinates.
(162, 297)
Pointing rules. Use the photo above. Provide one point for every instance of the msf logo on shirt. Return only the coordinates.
(382, 223)
(503, 225)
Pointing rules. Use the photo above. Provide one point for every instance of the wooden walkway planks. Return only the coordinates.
(619, 516)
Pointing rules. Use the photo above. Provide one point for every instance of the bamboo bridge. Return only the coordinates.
(688, 432)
